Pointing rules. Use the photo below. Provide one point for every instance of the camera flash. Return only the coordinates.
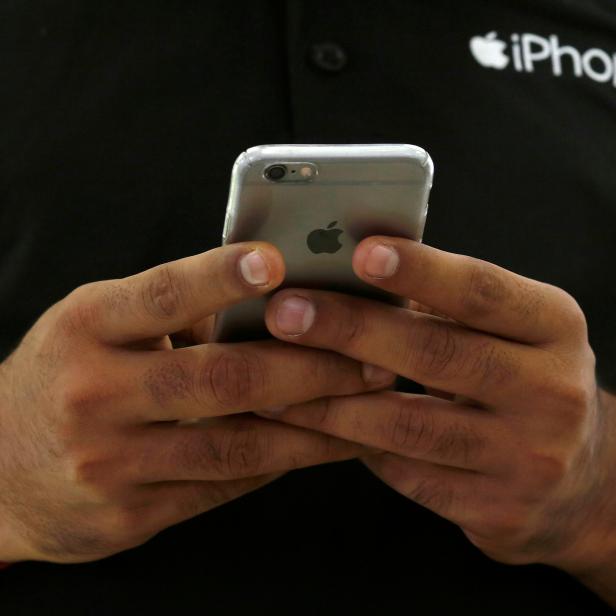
(306, 172)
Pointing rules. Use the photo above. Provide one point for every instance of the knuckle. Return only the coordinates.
(81, 469)
(75, 404)
(432, 494)
(570, 398)
(485, 290)
(350, 329)
(127, 524)
(171, 380)
(83, 293)
(195, 456)
(574, 399)
(81, 400)
(163, 292)
(83, 396)
(459, 444)
(90, 474)
(432, 349)
(497, 549)
(322, 414)
(116, 296)
(492, 365)
(79, 310)
(205, 496)
(245, 452)
(507, 526)
(549, 469)
(527, 300)
(571, 318)
(231, 379)
(329, 449)
(330, 373)
(410, 428)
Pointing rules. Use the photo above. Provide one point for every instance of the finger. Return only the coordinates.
(173, 502)
(417, 307)
(175, 295)
(202, 330)
(229, 448)
(220, 379)
(482, 505)
(439, 393)
(432, 351)
(198, 333)
(471, 291)
(448, 492)
(413, 426)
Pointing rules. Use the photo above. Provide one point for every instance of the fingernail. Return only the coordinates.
(382, 261)
(253, 269)
(295, 316)
(375, 375)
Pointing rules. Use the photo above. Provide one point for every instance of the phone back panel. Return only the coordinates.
(358, 191)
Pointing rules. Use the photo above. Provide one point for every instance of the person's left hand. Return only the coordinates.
(520, 452)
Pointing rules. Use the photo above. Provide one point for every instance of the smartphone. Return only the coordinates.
(315, 203)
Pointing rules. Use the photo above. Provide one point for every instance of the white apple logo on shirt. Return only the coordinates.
(489, 51)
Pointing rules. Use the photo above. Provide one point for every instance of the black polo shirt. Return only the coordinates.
(119, 124)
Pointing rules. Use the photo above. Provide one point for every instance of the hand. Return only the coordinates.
(518, 448)
(103, 442)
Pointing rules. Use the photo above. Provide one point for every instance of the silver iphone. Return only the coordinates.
(316, 203)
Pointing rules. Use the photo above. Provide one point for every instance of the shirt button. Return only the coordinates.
(329, 57)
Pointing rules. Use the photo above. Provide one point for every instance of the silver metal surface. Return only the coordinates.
(365, 190)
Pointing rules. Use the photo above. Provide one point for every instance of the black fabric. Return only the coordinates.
(119, 124)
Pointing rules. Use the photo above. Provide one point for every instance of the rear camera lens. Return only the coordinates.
(275, 172)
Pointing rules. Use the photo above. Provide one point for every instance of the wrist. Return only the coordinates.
(591, 557)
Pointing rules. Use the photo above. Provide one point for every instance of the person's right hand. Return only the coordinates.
(94, 455)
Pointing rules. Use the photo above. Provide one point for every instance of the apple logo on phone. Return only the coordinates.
(325, 240)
